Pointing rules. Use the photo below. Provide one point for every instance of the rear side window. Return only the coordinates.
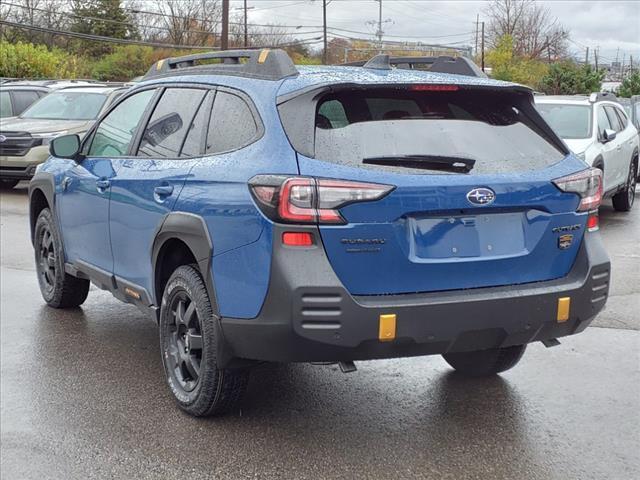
(22, 99)
(194, 143)
(5, 105)
(169, 123)
(232, 125)
(613, 118)
(417, 131)
(113, 136)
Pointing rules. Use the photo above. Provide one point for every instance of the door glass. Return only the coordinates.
(603, 121)
(170, 122)
(613, 119)
(194, 142)
(5, 105)
(622, 117)
(232, 125)
(22, 99)
(114, 134)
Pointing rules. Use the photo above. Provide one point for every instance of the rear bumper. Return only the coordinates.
(309, 316)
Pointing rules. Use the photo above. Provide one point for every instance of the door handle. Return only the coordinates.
(619, 147)
(103, 184)
(163, 190)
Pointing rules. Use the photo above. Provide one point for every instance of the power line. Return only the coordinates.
(124, 41)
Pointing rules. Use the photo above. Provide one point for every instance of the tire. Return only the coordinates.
(189, 335)
(59, 289)
(624, 199)
(8, 184)
(485, 363)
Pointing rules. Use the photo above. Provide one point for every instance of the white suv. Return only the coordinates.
(598, 130)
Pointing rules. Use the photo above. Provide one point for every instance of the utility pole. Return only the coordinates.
(548, 50)
(631, 64)
(586, 59)
(477, 25)
(482, 62)
(595, 55)
(324, 32)
(224, 37)
(246, 29)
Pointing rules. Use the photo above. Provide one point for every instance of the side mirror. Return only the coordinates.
(65, 146)
(608, 135)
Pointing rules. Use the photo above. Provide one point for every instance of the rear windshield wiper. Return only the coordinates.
(424, 162)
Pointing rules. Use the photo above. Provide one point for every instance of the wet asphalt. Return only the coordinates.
(83, 396)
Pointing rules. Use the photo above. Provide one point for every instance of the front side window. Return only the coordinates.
(5, 105)
(568, 121)
(613, 118)
(232, 125)
(22, 99)
(113, 136)
(67, 106)
(603, 122)
(622, 117)
(169, 123)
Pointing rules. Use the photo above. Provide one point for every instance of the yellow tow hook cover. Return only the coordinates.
(564, 305)
(387, 330)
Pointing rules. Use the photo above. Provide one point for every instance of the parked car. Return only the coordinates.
(14, 99)
(24, 140)
(598, 130)
(263, 212)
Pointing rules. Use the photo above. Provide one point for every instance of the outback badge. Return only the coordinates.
(565, 241)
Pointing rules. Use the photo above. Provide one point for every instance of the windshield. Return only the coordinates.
(66, 106)
(569, 121)
(406, 131)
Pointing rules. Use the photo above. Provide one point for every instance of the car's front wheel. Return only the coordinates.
(484, 363)
(623, 200)
(59, 289)
(189, 335)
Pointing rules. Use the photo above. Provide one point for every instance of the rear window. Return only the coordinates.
(427, 132)
(569, 121)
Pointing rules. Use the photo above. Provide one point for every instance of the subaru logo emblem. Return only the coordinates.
(481, 196)
(2, 138)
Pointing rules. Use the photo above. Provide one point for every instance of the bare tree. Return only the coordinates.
(192, 22)
(50, 14)
(536, 33)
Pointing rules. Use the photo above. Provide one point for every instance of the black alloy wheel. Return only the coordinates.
(185, 342)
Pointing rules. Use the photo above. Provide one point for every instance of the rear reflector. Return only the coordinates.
(297, 239)
(587, 184)
(564, 305)
(593, 221)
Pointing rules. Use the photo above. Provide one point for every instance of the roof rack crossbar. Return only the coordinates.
(265, 64)
(439, 64)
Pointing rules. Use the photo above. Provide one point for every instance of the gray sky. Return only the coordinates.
(608, 25)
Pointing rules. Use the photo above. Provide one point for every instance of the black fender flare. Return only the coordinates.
(192, 230)
(44, 182)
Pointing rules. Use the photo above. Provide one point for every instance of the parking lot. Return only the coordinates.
(83, 396)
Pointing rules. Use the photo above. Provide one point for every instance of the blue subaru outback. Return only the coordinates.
(263, 212)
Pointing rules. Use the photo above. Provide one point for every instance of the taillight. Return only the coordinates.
(307, 200)
(587, 184)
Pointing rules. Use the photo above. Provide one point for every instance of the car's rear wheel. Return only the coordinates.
(189, 335)
(484, 363)
(624, 199)
(7, 184)
(59, 289)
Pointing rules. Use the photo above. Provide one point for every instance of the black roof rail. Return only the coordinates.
(439, 64)
(264, 64)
